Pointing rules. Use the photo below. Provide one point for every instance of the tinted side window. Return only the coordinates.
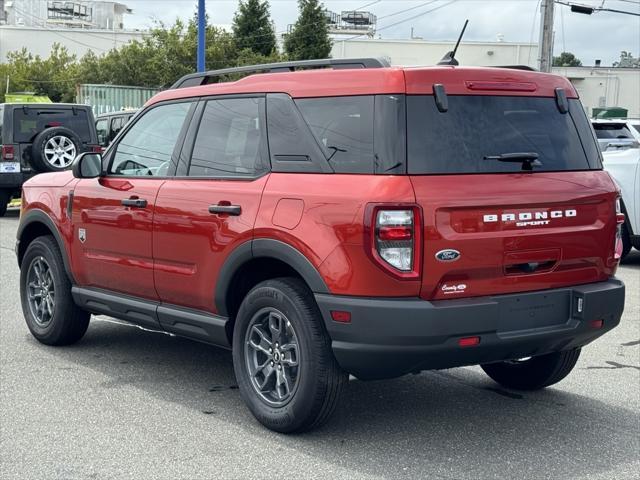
(343, 126)
(116, 125)
(147, 146)
(28, 122)
(102, 129)
(1, 119)
(230, 141)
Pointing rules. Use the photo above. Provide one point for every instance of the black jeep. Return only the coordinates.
(40, 137)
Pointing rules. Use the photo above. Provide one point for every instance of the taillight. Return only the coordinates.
(395, 239)
(618, 246)
(97, 149)
(8, 153)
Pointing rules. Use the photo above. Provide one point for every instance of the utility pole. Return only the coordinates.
(545, 45)
(202, 26)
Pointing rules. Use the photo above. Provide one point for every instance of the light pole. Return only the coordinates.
(202, 26)
(545, 45)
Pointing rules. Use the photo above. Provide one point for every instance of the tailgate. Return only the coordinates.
(503, 233)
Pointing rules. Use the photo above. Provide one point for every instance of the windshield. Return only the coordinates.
(491, 134)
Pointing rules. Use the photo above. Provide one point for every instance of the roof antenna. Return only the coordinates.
(450, 57)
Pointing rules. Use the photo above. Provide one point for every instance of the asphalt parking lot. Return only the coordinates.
(128, 403)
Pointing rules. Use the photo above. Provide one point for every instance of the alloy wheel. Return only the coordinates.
(59, 151)
(272, 355)
(41, 291)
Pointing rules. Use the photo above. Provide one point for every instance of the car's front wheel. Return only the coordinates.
(45, 290)
(283, 362)
(533, 373)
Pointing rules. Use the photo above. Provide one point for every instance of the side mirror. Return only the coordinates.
(87, 165)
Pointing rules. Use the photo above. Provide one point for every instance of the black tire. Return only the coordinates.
(626, 242)
(534, 373)
(5, 197)
(38, 156)
(319, 381)
(67, 323)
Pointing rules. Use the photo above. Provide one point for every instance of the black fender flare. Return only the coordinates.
(265, 248)
(39, 216)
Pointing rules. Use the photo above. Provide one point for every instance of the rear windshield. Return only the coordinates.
(28, 122)
(612, 130)
(476, 127)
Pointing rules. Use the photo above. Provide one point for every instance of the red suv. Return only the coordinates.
(349, 218)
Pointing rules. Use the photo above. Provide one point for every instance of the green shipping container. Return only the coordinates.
(610, 112)
(112, 98)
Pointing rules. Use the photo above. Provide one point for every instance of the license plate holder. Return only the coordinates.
(522, 312)
(9, 167)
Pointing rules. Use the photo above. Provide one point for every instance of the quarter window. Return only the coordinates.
(147, 147)
(343, 126)
(229, 141)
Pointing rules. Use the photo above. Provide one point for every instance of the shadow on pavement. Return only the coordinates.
(12, 212)
(633, 259)
(432, 422)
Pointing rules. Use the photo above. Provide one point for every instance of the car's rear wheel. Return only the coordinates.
(283, 362)
(533, 373)
(45, 290)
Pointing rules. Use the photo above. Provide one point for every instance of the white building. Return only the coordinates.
(597, 86)
(64, 13)
(39, 41)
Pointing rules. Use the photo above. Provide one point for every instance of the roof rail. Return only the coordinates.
(516, 67)
(203, 78)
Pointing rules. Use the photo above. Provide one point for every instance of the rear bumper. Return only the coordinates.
(390, 337)
(12, 180)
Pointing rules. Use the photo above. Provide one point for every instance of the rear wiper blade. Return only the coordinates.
(528, 159)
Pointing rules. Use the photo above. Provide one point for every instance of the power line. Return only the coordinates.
(533, 26)
(407, 19)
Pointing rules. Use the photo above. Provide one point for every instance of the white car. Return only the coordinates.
(617, 134)
(624, 167)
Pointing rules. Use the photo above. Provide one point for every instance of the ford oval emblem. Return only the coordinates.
(448, 255)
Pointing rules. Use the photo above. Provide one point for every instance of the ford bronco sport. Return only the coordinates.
(353, 219)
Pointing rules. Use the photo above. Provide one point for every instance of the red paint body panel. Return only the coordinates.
(312, 83)
(190, 244)
(580, 247)
(458, 80)
(331, 231)
(49, 193)
(116, 254)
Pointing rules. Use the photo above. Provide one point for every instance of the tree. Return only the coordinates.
(253, 29)
(309, 37)
(163, 55)
(627, 60)
(566, 59)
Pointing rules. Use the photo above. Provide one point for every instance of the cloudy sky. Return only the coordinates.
(599, 36)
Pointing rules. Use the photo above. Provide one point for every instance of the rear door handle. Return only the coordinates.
(134, 202)
(227, 209)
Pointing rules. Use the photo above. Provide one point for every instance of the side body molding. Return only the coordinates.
(265, 248)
